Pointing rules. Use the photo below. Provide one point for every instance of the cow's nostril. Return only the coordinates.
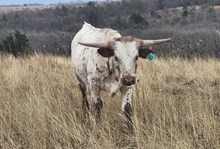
(128, 80)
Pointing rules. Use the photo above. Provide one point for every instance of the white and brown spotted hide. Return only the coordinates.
(105, 60)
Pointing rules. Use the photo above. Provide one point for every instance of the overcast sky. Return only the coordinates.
(21, 2)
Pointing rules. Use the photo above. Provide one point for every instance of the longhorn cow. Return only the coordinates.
(105, 60)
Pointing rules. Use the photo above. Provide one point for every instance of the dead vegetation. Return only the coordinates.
(10, 9)
(176, 105)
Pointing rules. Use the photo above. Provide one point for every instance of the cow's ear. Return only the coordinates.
(143, 52)
(106, 52)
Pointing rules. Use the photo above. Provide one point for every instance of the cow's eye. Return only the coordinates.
(116, 58)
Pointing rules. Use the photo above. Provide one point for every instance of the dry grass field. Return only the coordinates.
(9, 9)
(176, 104)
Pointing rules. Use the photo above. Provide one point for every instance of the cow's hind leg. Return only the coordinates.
(85, 103)
(95, 93)
(126, 105)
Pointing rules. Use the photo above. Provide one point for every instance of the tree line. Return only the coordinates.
(191, 23)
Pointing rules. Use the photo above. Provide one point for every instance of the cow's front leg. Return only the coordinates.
(95, 94)
(126, 105)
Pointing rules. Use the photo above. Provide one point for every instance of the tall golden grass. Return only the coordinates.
(176, 104)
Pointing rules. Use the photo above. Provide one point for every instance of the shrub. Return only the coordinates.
(138, 21)
(17, 44)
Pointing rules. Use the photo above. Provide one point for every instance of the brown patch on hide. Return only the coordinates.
(106, 52)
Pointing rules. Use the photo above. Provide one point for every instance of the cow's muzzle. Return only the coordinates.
(128, 80)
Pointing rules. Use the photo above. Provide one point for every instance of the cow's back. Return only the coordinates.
(90, 34)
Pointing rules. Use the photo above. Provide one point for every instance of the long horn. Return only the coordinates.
(96, 45)
(145, 43)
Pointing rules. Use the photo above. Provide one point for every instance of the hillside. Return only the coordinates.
(11, 9)
(192, 26)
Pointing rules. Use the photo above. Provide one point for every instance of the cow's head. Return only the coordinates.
(126, 51)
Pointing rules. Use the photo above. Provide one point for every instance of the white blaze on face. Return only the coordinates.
(126, 53)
